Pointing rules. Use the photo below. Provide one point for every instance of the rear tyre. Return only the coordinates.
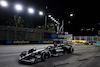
(70, 50)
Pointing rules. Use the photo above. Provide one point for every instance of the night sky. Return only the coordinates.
(86, 13)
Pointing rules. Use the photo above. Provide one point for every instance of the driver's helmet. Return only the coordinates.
(34, 49)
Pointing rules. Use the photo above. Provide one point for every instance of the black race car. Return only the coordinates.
(34, 56)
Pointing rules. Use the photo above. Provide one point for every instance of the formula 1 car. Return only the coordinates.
(60, 49)
(34, 56)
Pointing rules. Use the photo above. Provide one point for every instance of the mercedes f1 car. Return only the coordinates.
(34, 56)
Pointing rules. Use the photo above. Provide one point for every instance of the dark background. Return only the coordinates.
(86, 14)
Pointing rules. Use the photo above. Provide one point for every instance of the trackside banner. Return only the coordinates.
(26, 42)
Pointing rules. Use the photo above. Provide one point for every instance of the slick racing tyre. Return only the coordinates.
(44, 57)
(48, 55)
(70, 50)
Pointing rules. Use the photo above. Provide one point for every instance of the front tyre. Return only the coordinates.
(44, 56)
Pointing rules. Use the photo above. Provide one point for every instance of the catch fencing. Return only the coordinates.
(88, 38)
(18, 33)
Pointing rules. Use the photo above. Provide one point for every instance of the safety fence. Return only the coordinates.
(87, 38)
(18, 33)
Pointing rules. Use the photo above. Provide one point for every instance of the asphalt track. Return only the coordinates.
(83, 56)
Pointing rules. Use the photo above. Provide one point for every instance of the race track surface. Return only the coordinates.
(83, 56)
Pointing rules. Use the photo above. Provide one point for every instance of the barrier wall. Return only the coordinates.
(8, 42)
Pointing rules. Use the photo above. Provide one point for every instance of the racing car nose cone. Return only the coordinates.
(19, 58)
